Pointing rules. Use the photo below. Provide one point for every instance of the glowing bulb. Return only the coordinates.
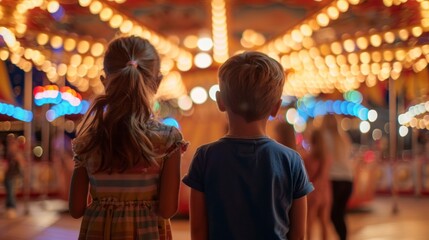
(53, 6)
(372, 115)
(184, 102)
(203, 60)
(84, 3)
(83, 47)
(322, 19)
(375, 40)
(198, 95)
(205, 43)
(377, 134)
(417, 31)
(97, 49)
(126, 26)
(362, 43)
(212, 91)
(42, 38)
(95, 7)
(38, 151)
(364, 126)
(191, 41)
(106, 14)
(333, 13)
(116, 21)
(403, 131)
(69, 44)
(291, 116)
(56, 42)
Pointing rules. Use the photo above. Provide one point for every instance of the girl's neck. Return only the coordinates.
(240, 128)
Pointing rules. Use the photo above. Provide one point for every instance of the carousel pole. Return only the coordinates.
(28, 103)
(392, 141)
(417, 162)
(45, 188)
(415, 148)
(59, 138)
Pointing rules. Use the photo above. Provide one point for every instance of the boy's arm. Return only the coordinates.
(298, 219)
(198, 215)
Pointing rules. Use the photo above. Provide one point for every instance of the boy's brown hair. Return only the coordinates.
(250, 84)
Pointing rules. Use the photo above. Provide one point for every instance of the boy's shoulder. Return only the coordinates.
(267, 144)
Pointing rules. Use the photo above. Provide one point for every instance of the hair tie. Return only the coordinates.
(132, 63)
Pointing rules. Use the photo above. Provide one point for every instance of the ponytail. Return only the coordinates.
(115, 127)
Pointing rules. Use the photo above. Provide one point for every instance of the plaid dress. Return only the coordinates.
(124, 205)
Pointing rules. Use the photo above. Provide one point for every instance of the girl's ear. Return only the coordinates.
(219, 102)
(276, 108)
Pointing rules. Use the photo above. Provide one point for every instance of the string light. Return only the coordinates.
(219, 31)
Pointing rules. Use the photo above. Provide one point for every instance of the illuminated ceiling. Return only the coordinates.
(323, 45)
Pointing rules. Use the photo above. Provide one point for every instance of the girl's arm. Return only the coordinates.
(169, 186)
(198, 215)
(298, 219)
(78, 195)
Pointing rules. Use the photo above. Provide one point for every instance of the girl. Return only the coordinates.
(131, 161)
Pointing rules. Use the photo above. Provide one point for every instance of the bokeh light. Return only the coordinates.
(372, 115)
(203, 60)
(198, 95)
(212, 91)
(403, 131)
(171, 122)
(205, 43)
(38, 151)
(377, 134)
(184, 102)
(364, 126)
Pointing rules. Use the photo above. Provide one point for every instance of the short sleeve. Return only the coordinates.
(175, 142)
(195, 176)
(78, 161)
(302, 184)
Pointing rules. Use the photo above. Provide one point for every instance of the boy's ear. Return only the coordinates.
(276, 108)
(219, 102)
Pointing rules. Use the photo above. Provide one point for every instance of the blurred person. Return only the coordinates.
(318, 163)
(246, 185)
(15, 161)
(130, 160)
(286, 135)
(340, 172)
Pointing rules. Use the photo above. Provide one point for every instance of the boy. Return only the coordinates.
(246, 185)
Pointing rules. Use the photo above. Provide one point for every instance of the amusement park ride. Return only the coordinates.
(364, 60)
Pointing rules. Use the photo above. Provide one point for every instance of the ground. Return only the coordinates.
(376, 221)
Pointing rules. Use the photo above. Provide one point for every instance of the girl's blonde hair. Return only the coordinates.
(115, 125)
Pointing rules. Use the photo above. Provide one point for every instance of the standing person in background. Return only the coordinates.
(15, 161)
(341, 172)
(246, 185)
(286, 135)
(130, 160)
(318, 163)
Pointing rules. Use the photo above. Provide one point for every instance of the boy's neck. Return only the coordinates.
(240, 128)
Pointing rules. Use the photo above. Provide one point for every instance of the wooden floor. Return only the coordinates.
(374, 222)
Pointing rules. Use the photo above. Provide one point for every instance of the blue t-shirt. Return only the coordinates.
(249, 186)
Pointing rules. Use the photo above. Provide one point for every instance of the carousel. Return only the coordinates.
(363, 60)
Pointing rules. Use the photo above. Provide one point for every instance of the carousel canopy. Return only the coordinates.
(323, 45)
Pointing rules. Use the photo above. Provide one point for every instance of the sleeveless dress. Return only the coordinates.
(124, 205)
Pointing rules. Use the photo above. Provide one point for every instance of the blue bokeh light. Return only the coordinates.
(171, 122)
(320, 108)
(16, 112)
